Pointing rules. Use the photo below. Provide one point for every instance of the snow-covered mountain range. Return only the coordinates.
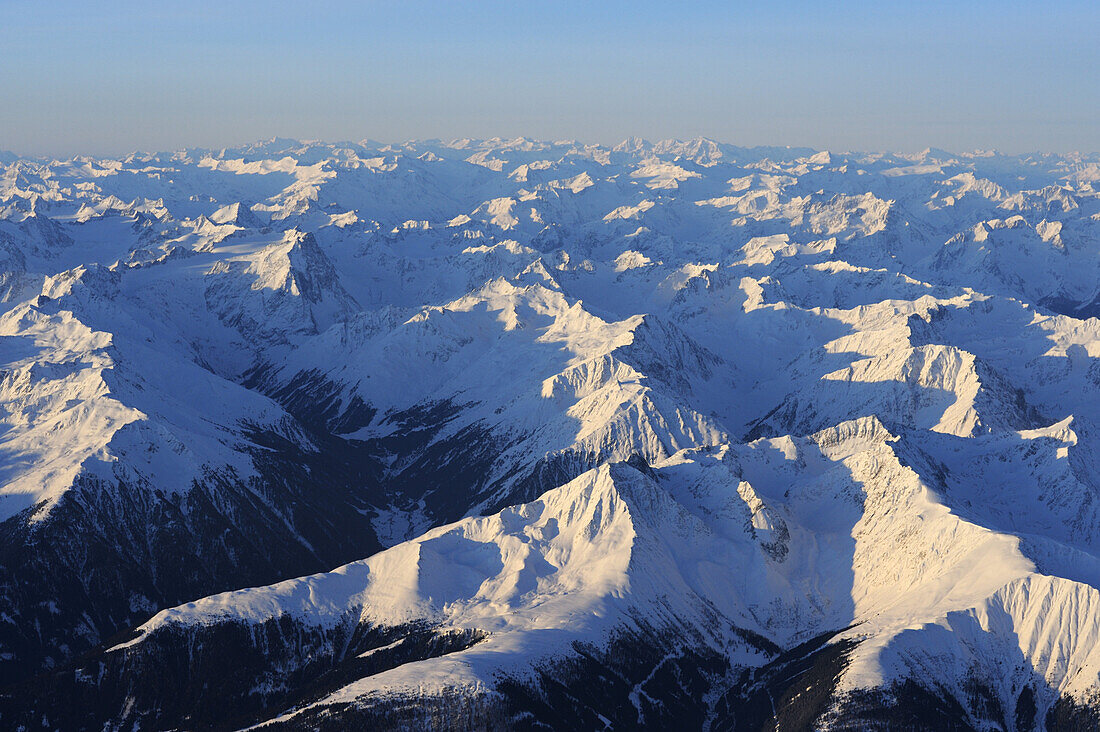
(522, 434)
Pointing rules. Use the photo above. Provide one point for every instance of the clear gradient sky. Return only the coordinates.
(114, 76)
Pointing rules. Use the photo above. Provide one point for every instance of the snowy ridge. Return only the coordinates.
(621, 543)
(679, 430)
(77, 401)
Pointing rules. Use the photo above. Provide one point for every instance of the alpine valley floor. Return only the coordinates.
(510, 434)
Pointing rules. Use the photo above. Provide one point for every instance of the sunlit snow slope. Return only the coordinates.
(663, 434)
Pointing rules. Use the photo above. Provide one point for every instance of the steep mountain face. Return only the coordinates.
(670, 433)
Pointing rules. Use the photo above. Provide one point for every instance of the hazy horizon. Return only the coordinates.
(110, 81)
(446, 142)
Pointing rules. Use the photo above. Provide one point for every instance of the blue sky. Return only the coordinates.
(116, 76)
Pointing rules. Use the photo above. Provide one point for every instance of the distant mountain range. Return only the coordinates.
(519, 434)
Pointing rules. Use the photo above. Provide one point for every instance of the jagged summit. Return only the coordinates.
(665, 433)
(239, 214)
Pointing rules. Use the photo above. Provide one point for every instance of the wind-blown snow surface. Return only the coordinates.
(660, 433)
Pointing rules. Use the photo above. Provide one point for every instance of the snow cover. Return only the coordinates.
(799, 391)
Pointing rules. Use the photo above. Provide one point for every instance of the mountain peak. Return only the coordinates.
(664, 434)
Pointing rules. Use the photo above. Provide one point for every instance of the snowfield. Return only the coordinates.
(522, 434)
